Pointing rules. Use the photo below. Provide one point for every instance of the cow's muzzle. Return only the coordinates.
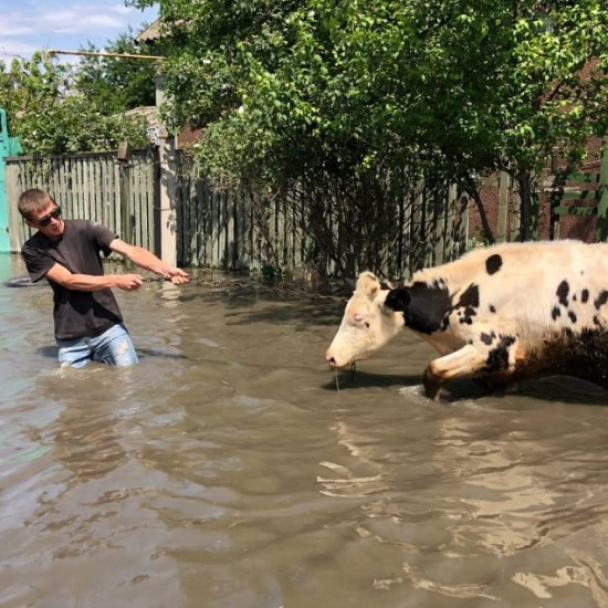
(336, 364)
(331, 361)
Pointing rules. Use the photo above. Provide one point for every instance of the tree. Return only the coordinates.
(556, 94)
(51, 115)
(123, 83)
(340, 96)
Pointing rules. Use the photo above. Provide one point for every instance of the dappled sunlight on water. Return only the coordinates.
(227, 470)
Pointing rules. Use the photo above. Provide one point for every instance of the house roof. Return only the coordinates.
(150, 113)
(150, 34)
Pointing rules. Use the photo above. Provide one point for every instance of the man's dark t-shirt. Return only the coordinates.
(77, 314)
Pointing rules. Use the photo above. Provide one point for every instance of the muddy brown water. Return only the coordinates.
(227, 471)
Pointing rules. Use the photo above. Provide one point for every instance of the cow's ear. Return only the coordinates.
(398, 299)
(368, 284)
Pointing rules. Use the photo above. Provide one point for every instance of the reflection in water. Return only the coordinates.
(491, 486)
(226, 470)
(88, 431)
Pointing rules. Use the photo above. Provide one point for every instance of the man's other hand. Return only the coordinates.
(129, 282)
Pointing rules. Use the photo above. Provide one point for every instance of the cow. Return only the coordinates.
(500, 314)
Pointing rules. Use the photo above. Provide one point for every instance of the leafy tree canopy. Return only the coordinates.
(465, 85)
(56, 107)
(123, 83)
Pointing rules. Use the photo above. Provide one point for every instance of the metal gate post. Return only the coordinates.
(602, 207)
(4, 240)
(9, 146)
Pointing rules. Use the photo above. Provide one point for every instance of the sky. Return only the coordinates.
(30, 25)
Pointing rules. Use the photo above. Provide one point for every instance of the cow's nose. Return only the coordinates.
(330, 361)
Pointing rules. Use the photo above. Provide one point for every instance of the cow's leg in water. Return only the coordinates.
(463, 363)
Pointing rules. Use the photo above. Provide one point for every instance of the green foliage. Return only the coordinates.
(56, 108)
(351, 90)
(122, 83)
(481, 84)
(73, 126)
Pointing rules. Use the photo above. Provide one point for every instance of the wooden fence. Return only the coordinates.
(90, 186)
(230, 229)
(226, 229)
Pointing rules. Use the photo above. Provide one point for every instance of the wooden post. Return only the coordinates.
(453, 237)
(602, 207)
(516, 216)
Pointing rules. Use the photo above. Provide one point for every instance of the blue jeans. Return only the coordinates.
(113, 347)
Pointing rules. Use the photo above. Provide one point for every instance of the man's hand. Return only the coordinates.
(177, 275)
(128, 282)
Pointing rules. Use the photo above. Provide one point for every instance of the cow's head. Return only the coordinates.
(367, 324)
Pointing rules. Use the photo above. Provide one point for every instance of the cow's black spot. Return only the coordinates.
(425, 307)
(562, 292)
(492, 308)
(469, 297)
(493, 263)
(584, 296)
(601, 299)
(487, 339)
(498, 357)
(556, 312)
(572, 316)
(398, 299)
(469, 302)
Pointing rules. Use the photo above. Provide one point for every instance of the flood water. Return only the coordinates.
(226, 470)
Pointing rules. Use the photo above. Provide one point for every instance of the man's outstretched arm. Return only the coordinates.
(146, 259)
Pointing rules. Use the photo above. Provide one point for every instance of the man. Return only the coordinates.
(88, 322)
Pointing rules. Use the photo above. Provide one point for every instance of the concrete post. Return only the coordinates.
(167, 155)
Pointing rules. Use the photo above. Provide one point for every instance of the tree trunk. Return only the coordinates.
(529, 218)
(472, 190)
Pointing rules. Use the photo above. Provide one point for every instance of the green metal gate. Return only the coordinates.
(9, 146)
(582, 194)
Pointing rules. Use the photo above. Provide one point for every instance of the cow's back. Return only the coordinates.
(533, 289)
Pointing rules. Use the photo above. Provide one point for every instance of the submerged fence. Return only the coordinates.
(231, 229)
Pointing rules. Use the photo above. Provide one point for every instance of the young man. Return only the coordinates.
(88, 322)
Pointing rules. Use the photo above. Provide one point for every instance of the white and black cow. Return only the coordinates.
(501, 314)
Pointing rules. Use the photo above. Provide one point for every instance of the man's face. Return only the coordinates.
(48, 221)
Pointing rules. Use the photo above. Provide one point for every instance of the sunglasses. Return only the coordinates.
(55, 214)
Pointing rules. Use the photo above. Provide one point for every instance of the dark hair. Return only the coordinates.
(33, 199)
